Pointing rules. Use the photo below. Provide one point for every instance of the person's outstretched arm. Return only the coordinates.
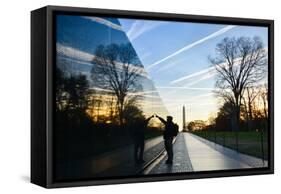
(147, 120)
(161, 119)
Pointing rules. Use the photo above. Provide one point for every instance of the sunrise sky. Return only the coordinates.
(174, 56)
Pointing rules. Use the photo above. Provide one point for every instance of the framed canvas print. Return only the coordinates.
(125, 96)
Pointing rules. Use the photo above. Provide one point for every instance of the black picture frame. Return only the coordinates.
(42, 94)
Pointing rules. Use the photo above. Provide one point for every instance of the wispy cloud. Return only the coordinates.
(144, 56)
(143, 53)
(204, 74)
(81, 57)
(189, 46)
(191, 100)
(104, 22)
(184, 88)
(143, 93)
(208, 72)
(169, 65)
(140, 27)
(74, 53)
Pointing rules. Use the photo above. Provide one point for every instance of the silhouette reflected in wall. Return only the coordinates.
(139, 127)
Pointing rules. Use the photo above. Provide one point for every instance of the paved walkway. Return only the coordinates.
(181, 161)
(193, 153)
(206, 158)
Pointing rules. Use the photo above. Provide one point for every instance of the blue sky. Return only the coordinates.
(174, 55)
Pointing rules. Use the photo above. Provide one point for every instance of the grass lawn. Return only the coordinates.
(248, 142)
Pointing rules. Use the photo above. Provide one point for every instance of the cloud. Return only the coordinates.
(203, 77)
(169, 65)
(81, 57)
(74, 53)
(189, 98)
(203, 73)
(143, 93)
(104, 22)
(72, 60)
(185, 88)
(144, 56)
(146, 92)
(189, 46)
(140, 27)
(143, 53)
(102, 89)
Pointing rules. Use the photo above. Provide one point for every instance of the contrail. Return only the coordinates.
(140, 27)
(185, 88)
(105, 22)
(187, 47)
(203, 72)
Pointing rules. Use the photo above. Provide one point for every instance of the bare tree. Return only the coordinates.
(115, 67)
(251, 94)
(239, 63)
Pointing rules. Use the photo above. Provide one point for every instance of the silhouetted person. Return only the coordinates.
(171, 130)
(139, 127)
